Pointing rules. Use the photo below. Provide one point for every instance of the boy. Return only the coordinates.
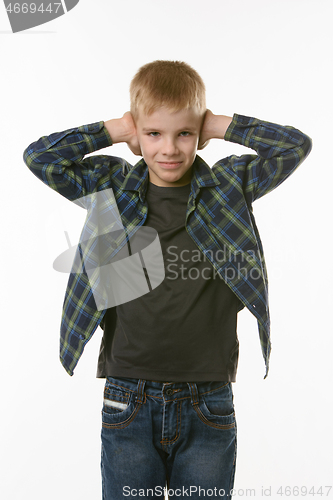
(169, 356)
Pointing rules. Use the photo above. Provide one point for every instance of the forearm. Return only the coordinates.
(73, 144)
(218, 125)
(117, 131)
(269, 140)
(58, 159)
(280, 150)
(213, 127)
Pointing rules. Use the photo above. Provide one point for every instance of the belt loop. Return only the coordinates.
(194, 393)
(141, 396)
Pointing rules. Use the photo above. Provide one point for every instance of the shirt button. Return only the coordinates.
(169, 392)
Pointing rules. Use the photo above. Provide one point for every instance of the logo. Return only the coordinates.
(24, 15)
(120, 263)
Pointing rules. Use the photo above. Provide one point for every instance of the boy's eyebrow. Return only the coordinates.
(149, 129)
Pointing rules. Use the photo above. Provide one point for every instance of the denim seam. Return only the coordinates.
(121, 396)
(213, 390)
(121, 387)
(103, 471)
(232, 477)
(194, 395)
(212, 424)
(165, 442)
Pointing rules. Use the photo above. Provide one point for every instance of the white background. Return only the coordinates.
(268, 59)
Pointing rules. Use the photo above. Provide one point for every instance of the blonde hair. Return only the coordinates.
(171, 84)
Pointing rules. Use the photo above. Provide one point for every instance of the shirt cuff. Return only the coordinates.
(239, 129)
(99, 137)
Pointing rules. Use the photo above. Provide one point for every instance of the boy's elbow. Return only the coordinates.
(307, 146)
(28, 157)
(310, 144)
(34, 162)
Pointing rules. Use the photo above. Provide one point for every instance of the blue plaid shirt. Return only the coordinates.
(219, 215)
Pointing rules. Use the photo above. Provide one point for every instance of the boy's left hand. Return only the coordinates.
(213, 127)
(205, 130)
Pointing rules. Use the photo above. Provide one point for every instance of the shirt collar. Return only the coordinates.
(137, 178)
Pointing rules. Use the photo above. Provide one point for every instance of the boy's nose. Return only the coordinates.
(169, 147)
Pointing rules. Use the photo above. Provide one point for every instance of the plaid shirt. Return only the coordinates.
(219, 215)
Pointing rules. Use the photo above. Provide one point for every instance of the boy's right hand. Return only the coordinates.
(124, 130)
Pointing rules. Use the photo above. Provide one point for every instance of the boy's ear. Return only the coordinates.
(134, 117)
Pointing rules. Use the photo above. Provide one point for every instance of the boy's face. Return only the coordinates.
(169, 142)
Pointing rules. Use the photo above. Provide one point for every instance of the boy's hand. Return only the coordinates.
(130, 131)
(205, 135)
(124, 130)
(213, 127)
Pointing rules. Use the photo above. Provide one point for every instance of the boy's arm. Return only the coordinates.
(58, 161)
(214, 127)
(280, 150)
(124, 130)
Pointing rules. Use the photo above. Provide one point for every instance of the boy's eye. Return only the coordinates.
(183, 134)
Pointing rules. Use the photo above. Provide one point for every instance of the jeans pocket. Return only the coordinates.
(119, 407)
(115, 400)
(216, 408)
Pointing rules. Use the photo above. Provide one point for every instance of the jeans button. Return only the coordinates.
(169, 392)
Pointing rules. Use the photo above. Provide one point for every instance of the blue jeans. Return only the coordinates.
(175, 435)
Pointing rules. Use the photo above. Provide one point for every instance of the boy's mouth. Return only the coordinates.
(169, 164)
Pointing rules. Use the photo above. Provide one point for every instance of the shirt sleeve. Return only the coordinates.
(57, 159)
(280, 150)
